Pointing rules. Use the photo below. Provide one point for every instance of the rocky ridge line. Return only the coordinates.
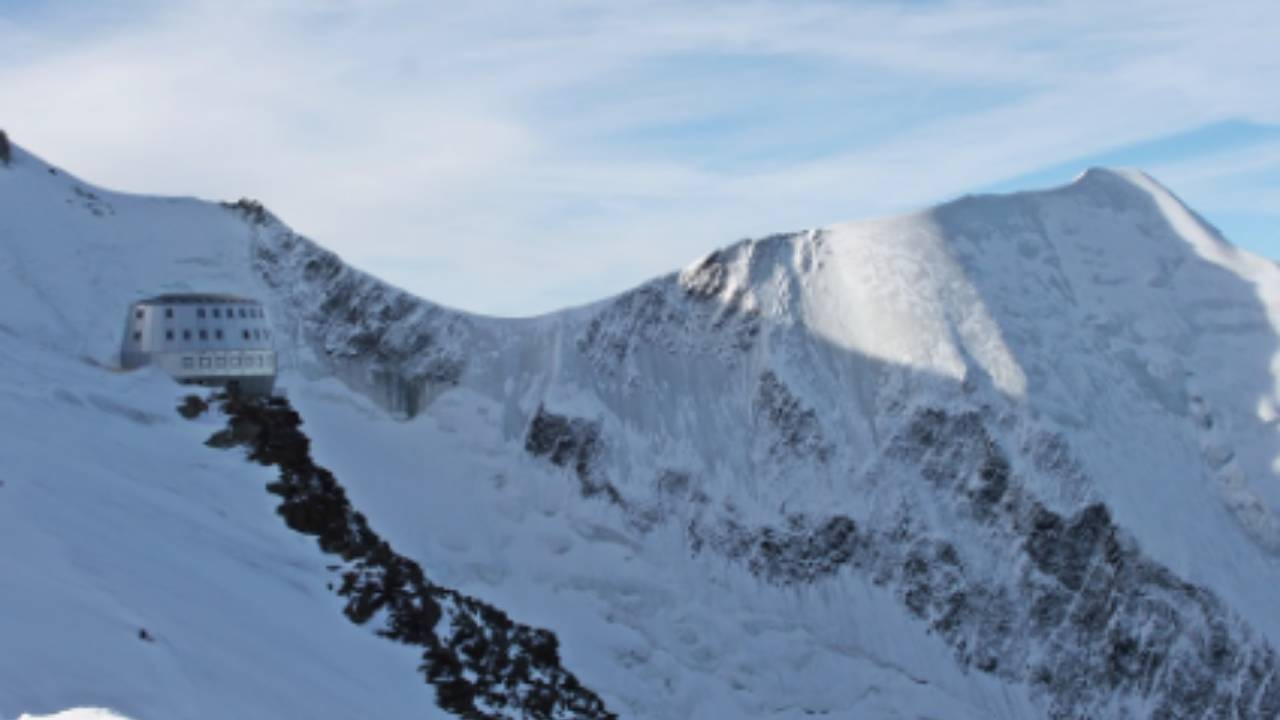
(390, 345)
(482, 664)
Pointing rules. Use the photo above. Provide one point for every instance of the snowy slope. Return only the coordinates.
(1008, 457)
(117, 520)
(115, 516)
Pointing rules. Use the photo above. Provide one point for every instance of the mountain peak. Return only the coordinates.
(1125, 184)
(1104, 176)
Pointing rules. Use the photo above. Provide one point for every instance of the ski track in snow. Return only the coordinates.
(700, 434)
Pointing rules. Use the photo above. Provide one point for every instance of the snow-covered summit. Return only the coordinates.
(1005, 457)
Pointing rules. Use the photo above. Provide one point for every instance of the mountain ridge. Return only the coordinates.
(992, 427)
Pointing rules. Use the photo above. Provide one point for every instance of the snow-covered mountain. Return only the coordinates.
(1014, 456)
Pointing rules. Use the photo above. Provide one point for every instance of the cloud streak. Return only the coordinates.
(515, 157)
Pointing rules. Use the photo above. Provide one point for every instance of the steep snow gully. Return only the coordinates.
(1014, 456)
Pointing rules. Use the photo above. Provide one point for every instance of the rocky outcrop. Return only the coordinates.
(1075, 610)
(572, 443)
(1078, 612)
(481, 662)
(397, 349)
(792, 429)
(702, 311)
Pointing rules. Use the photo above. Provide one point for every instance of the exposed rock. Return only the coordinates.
(251, 209)
(192, 406)
(92, 202)
(396, 348)
(708, 278)
(482, 664)
(691, 313)
(572, 443)
(793, 429)
(1089, 621)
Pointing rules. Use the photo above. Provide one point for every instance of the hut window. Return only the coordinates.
(217, 312)
(137, 336)
(200, 312)
(186, 334)
(168, 313)
(217, 334)
(246, 334)
(137, 313)
(168, 334)
(242, 313)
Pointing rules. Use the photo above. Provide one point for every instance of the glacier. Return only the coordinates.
(1013, 456)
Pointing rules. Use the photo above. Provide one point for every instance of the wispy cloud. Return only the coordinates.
(513, 157)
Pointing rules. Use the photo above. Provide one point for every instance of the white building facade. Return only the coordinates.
(205, 339)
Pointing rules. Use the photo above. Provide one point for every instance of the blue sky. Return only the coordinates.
(516, 157)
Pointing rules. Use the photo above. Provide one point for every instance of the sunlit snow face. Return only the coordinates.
(892, 290)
